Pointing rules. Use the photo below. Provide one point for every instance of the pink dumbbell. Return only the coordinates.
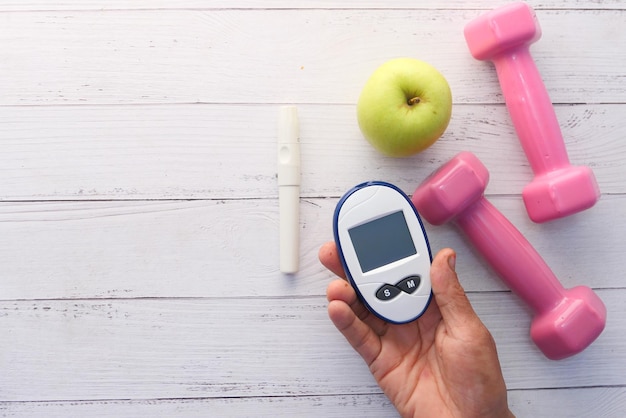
(503, 36)
(566, 321)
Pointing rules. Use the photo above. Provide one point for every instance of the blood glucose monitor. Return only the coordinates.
(384, 250)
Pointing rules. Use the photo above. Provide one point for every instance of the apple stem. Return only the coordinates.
(413, 101)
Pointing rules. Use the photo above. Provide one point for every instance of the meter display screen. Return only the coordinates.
(382, 241)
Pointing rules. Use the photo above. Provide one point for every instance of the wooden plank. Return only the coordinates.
(200, 248)
(190, 56)
(138, 265)
(331, 406)
(229, 151)
(371, 405)
(11, 5)
(575, 403)
(242, 347)
(606, 402)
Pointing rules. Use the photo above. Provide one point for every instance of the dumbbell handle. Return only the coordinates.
(531, 110)
(511, 256)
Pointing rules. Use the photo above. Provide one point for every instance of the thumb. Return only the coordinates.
(455, 308)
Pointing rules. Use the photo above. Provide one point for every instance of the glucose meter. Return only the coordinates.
(384, 250)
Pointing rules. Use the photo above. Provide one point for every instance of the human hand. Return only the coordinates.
(444, 364)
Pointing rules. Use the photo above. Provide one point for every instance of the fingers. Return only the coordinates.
(330, 259)
(455, 308)
(340, 289)
(343, 311)
(453, 304)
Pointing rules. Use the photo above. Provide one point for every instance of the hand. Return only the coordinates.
(444, 364)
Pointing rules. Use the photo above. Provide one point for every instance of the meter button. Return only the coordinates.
(410, 284)
(387, 292)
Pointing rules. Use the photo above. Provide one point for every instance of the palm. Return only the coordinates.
(434, 366)
(408, 354)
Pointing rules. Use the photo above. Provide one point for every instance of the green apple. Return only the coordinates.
(404, 107)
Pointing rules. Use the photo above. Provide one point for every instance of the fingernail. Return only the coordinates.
(452, 261)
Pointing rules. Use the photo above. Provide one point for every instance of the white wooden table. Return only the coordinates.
(138, 200)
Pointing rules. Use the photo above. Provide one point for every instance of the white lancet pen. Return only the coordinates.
(289, 188)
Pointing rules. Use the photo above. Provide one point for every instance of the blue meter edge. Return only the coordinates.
(370, 264)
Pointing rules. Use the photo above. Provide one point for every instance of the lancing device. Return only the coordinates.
(289, 188)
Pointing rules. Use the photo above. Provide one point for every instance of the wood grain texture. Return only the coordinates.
(138, 203)
(368, 406)
(198, 248)
(206, 152)
(12, 5)
(575, 403)
(310, 56)
(243, 347)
